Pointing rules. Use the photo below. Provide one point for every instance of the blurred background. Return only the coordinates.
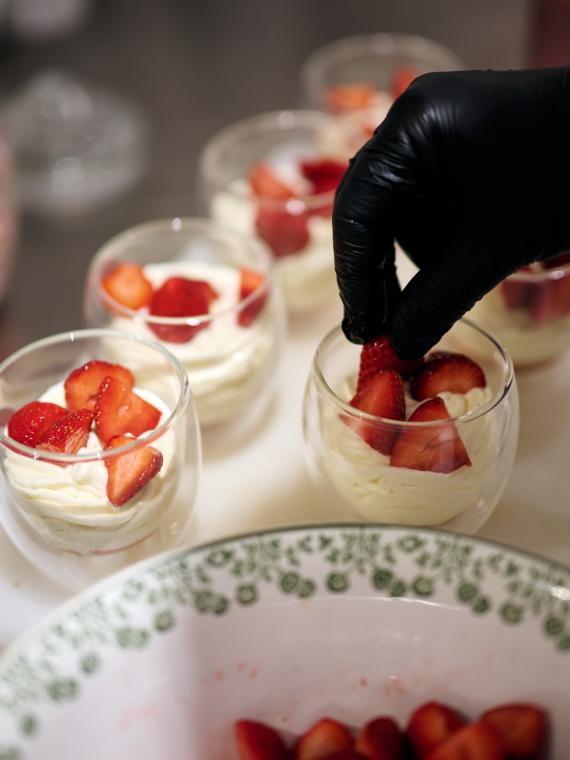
(178, 71)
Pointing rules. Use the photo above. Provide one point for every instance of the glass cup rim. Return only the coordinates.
(323, 386)
(176, 225)
(279, 121)
(185, 398)
(543, 275)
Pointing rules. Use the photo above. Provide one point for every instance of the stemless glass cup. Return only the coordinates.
(60, 500)
(298, 229)
(231, 366)
(530, 314)
(341, 463)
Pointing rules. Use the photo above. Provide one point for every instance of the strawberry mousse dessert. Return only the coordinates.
(92, 454)
(530, 312)
(207, 295)
(274, 176)
(425, 443)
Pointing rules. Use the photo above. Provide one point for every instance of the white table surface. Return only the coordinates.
(264, 484)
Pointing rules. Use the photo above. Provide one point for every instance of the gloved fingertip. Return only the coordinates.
(354, 329)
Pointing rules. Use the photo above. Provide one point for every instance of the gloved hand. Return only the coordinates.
(469, 173)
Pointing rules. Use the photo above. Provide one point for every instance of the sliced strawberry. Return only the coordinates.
(558, 261)
(29, 423)
(381, 739)
(82, 385)
(383, 396)
(128, 473)
(350, 97)
(346, 754)
(324, 174)
(266, 184)
(455, 373)
(127, 285)
(251, 281)
(516, 294)
(550, 299)
(430, 449)
(379, 354)
(68, 434)
(118, 411)
(180, 297)
(322, 740)
(284, 233)
(256, 741)
(402, 78)
(473, 742)
(521, 727)
(430, 725)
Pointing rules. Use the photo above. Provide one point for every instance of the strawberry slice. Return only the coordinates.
(430, 725)
(256, 741)
(325, 738)
(129, 473)
(251, 281)
(451, 372)
(266, 184)
(82, 385)
(180, 297)
(350, 97)
(383, 396)
(521, 727)
(284, 233)
(473, 742)
(431, 449)
(558, 261)
(378, 354)
(118, 411)
(346, 754)
(127, 285)
(402, 78)
(29, 423)
(381, 739)
(324, 174)
(68, 434)
(550, 299)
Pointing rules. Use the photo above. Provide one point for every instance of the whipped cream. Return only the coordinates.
(380, 492)
(227, 364)
(68, 506)
(527, 341)
(346, 132)
(307, 276)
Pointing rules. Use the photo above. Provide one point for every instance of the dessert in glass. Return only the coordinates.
(274, 176)
(530, 312)
(207, 294)
(426, 443)
(92, 448)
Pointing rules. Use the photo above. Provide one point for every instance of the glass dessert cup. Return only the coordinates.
(57, 505)
(297, 228)
(529, 313)
(343, 466)
(230, 354)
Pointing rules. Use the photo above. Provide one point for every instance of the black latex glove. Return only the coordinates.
(469, 172)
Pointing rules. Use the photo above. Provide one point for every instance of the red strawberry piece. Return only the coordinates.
(455, 373)
(402, 78)
(383, 396)
(180, 297)
(285, 233)
(324, 174)
(82, 385)
(350, 97)
(381, 739)
(29, 423)
(251, 281)
(346, 754)
(521, 727)
(322, 740)
(379, 354)
(550, 299)
(430, 449)
(127, 285)
(129, 473)
(473, 742)
(256, 741)
(516, 293)
(68, 434)
(558, 261)
(266, 184)
(431, 725)
(118, 411)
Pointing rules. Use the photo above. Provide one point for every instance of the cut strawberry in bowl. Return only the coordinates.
(82, 384)
(285, 233)
(522, 728)
(127, 285)
(381, 739)
(324, 174)
(69, 434)
(177, 298)
(250, 282)
(130, 472)
(378, 354)
(266, 183)
(475, 741)
(402, 78)
(350, 97)
(256, 741)
(452, 373)
(29, 423)
(118, 410)
(430, 725)
(382, 396)
(324, 738)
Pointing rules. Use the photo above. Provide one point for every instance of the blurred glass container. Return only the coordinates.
(8, 216)
(74, 147)
(45, 19)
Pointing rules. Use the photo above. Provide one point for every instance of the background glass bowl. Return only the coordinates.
(231, 369)
(343, 467)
